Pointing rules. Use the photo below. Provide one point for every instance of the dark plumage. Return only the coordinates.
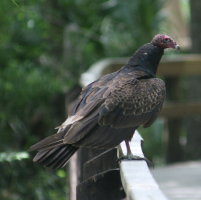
(111, 108)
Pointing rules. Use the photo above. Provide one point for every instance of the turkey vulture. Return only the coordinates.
(109, 110)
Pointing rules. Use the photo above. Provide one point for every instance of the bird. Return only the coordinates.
(110, 109)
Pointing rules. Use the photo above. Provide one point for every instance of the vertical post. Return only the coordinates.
(173, 152)
(72, 177)
(99, 175)
(194, 90)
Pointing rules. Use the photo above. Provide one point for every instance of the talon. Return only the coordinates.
(133, 157)
(130, 156)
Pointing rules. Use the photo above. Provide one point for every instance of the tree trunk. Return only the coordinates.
(193, 148)
(174, 149)
(195, 25)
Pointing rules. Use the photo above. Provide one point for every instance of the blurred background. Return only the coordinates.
(46, 45)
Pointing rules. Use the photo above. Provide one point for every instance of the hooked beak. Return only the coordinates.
(177, 47)
(174, 45)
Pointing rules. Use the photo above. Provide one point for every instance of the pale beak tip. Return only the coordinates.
(177, 47)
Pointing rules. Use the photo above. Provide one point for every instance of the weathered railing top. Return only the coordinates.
(136, 178)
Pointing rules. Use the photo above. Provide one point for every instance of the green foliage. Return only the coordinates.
(131, 23)
(13, 156)
(36, 183)
(27, 91)
(45, 46)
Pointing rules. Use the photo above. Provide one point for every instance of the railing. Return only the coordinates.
(104, 177)
(136, 178)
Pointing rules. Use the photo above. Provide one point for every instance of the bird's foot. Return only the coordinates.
(131, 157)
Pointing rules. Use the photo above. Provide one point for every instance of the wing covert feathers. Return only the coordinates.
(134, 100)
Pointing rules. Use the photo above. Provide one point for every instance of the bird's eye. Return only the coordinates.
(166, 40)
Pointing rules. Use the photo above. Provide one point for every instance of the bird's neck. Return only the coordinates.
(146, 59)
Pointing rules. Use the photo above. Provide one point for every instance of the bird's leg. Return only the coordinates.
(130, 155)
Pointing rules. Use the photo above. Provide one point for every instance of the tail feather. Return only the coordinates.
(51, 141)
(55, 158)
(43, 154)
(48, 143)
(63, 160)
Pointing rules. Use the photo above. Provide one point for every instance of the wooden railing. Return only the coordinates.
(137, 181)
(97, 174)
(104, 177)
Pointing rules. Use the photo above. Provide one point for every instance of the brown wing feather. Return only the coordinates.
(133, 103)
(122, 102)
(92, 92)
(86, 109)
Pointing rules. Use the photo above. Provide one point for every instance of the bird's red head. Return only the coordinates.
(164, 41)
